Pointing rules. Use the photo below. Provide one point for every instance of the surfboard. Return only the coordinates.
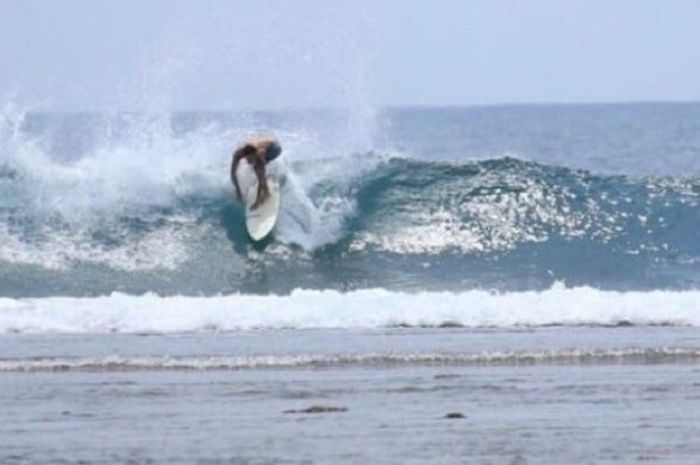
(261, 221)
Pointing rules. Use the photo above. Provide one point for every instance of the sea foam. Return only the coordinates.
(371, 308)
(184, 363)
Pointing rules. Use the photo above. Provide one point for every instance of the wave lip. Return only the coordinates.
(190, 363)
(372, 308)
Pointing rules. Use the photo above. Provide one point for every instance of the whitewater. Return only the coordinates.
(372, 308)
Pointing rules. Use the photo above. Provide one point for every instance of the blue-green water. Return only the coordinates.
(508, 198)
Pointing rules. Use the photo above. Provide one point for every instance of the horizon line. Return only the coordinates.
(402, 106)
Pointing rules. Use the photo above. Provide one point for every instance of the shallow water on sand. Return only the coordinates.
(551, 395)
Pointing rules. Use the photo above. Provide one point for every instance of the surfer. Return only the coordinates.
(257, 153)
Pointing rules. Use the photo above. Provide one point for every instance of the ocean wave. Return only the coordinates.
(148, 207)
(117, 363)
(373, 308)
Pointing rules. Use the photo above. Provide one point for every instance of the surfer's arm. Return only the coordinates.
(237, 156)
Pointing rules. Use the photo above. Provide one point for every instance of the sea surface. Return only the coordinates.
(496, 285)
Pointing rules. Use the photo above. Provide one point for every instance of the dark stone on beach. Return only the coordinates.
(454, 415)
(451, 324)
(446, 376)
(319, 409)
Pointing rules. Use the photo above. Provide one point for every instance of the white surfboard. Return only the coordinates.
(261, 221)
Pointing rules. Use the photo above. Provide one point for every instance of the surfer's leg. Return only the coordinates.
(263, 190)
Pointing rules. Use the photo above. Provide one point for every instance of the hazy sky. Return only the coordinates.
(270, 54)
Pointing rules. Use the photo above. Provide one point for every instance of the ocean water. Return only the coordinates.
(535, 269)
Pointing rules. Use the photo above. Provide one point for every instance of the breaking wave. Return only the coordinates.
(370, 308)
(143, 204)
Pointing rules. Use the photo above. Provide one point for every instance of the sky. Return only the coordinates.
(279, 54)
